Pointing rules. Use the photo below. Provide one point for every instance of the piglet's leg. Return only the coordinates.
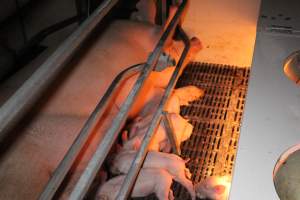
(171, 195)
(163, 190)
(187, 184)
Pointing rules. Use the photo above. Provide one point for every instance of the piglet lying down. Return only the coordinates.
(160, 142)
(149, 181)
(179, 97)
(182, 128)
(214, 187)
(172, 163)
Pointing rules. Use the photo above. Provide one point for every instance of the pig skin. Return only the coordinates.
(85, 85)
(172, 163)
(37, 149)
(26, 168)
(149, 181)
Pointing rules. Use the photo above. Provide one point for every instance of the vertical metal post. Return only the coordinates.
(171, 135)
(161, 16)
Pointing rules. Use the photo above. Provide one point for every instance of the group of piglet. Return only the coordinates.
(160, 167)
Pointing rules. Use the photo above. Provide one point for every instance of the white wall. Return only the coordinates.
(226, 28)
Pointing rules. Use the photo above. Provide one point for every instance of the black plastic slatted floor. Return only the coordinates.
(216, 119)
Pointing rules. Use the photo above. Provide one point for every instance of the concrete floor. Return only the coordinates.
(226, 28)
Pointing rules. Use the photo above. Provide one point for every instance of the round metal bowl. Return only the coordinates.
(291, 67)
(286, 175)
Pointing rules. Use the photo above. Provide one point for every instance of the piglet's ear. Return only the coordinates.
(124, 136)
(219, 189)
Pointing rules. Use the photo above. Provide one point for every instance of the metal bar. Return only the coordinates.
(136, 165)
(171, 135)
(164, 11)
(101, 152)
(64, 166)
(40, 36)
(25, 97)
(161, 17)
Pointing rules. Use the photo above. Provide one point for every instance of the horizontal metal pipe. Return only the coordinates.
(32, 89)
(101, 152)
(136, 165)
(64, 166)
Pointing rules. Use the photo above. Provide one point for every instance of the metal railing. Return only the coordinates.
(15, 108)
(26, 96)
(110, 136)
(65, 165)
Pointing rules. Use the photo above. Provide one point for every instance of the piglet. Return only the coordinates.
(214, 188)
(179, 97)
(160, 142)
(174, 164)
(188, 94)
(149, 181)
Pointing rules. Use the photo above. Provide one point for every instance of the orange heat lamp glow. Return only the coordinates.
(225, 182)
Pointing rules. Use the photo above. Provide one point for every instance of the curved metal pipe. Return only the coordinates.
(65, 165)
